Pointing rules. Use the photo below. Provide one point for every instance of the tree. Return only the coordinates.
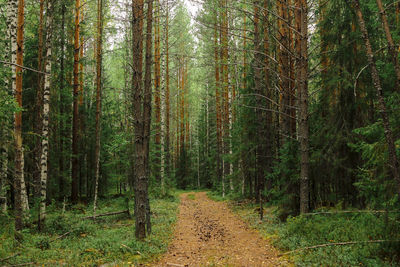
(302, 73)
(19, 157)
(157, 91)
(142, 115)
(75, 123)
(167, 109)
(46, 113)
(98, 97)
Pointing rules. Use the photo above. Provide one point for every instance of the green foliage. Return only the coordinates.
(87, 243)
(375, 182)
(285, 180)
(305, 231)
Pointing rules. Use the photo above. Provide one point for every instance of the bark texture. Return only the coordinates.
(98, 98)
(19, 156)
(75, 119)
(303, 106)
(46, 114)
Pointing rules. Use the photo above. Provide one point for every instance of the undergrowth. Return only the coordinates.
(306, 231)
(86, 242)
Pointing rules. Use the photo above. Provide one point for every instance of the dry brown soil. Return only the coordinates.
(209, 234)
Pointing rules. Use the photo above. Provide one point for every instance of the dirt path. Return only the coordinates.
(209, 234)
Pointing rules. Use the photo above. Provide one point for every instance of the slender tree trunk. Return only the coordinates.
(243, 156)
(393, 160)
(137, 88)
(283, 37)
(38, 128)
(61, 104)
(147, 112)
(391, 46)
(157, 93)
(16, 29)
(165, 161)
(303, 105)
(5, 133)
(260, 116)
(167, 97)
(98, 99)
(81, 110)
(218, 105)
(19, 157)
(225, 85)
(46, 115)
(75, 120)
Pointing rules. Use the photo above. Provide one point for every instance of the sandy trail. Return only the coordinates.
(209, 234)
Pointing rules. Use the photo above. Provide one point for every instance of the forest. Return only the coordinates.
(199, 133)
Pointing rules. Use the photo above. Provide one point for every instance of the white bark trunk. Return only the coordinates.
(24, 194)
(46, 114)
(12, 17)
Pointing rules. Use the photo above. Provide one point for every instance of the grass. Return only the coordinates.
(107, 240)
(191, 196)
(304, 231)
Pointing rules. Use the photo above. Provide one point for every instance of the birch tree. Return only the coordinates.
(46, 114)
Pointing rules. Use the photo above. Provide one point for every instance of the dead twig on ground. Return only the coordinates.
(106, 214)
(338, 244)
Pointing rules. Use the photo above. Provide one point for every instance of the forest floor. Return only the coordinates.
(209, 234)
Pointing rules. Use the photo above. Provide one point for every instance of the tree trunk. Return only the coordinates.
(284, 67)
(61, 103)
(46, 115)
(16, 29)
(218, 105)
(5, 134)
(38, 127)
(303, 105)
(19, 157)
(157, 93)
(75, 120)
(260, 114)
(167, 97)
(225, 86)
(98, 99)
(147, 112)
(393, 161)
(137, 88)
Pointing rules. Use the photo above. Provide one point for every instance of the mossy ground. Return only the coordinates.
(90, 243)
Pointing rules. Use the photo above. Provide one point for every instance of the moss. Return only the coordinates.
(106, 240)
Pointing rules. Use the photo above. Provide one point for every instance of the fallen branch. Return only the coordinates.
(106, 214)
(176, 265)
(338, 244)
(22, 264)
(61, 236)
(351, 211)
(10, 257)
